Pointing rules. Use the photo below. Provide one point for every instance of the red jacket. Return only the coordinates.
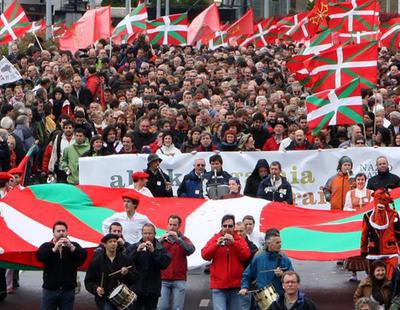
(93, 84)
(227, 261)
(177, 269)
(270, 145)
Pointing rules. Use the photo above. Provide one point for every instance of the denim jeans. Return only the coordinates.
(57, 299)
(172, 295)
(226, 299)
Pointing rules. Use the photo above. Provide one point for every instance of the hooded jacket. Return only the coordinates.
(70, 160)
(254, 180)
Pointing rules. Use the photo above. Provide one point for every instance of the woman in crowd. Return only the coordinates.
(261, 170)
(111, 144)
(247, 143)
(234, 189)
(96, 147)
(168, 148)
(229, 143)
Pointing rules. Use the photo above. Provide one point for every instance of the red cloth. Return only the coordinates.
(46, 158)
(177, 269)
(270, 145)
(93, 84)
(204, 26)
(227, 261)
(243, 26)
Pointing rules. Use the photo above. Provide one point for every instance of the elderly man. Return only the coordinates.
(131, 221)
(158, 182)
(192, 184)
(267, 267)
(384, 178)
(300, 142)
(292, 298)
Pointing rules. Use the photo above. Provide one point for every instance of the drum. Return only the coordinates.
(265, 297)
(122, 297)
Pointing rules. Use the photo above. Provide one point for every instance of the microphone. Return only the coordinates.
(215, 173)
(273, 179)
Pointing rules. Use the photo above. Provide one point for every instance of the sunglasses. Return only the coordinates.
(200, 165)
(227, 226)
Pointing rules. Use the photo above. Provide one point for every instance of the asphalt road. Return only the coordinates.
(325, 283)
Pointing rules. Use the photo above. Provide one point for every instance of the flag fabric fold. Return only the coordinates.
(242, 27)
(168, 30)
(390, 33)
(204, 26)
(13, 23)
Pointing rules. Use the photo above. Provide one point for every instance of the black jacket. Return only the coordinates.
(254, 180)
(4, 156)
(101, 264)
(156, 183)
(85, 97)
(302, 303)
(149, 266)
(294, 147)
(259, 135)
(282, 194)
(383, 179)
(59, 268)
(140, 139)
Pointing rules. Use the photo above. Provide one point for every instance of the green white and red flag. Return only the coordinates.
(168, 30)
(318, 43)
(340, 106)
(390, 33)
(355, 16)
(131, 26)
(219, 40)
(27, 216)
(264, 33)
(13, 23)
(59, 28)
(289, 23)
(337, 66)
(355, 37)
(38, 26)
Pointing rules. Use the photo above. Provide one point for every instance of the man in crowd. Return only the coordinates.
(254, 235)
(228, 251)
(71, 154)
(140, 180)
(217, 179)
(174, 276)
(292, 298)
(275, 187)
(116, 230)
(300, 143)
(149, 257)
(98, 280)
(142, 136)
(192, 183)
(267, 267)
(131, 221)
(384, 178)
(61, 258)
(158, 182)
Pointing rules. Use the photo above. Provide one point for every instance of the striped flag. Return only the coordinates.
(13, 23)
(168, 30)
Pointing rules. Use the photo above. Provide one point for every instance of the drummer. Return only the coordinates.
(267, 267)
(98, 280)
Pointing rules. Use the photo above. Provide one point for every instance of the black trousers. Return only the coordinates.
(146, 302)
(3, 284)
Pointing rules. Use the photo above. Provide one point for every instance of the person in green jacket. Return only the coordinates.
(71, 154)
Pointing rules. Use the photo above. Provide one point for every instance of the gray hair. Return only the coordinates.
(373, 305)
(22, 120)
(7, 123)
(3, 134)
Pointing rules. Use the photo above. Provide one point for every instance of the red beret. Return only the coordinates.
(139, 175)
(17, 170)
(131, 195)
(5, 176)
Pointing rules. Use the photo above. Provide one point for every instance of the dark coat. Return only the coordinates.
(85, 97)
(156, 183)
(294, 147)
(191, 186)
(4, 156)
(140, 139)
(282, 194)
(149, 266)
(101, 264)
(383, 179)
(59, 270)
(260, 136)
(302, 303)
(254, 180)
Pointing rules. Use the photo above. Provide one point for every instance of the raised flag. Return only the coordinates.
(13, 23)
(132, 25)
(204, 26)
(354, 16)
(27, 216)
(340, 106)
(92, 26)
(58, 28)
(287, 25)
(337, 66)
(355, 37)
(318, 43)
(38, 26)
(264, 33)
(168, 30)
(243, 26)
(390, 33)
(218, 41)
(8, 73)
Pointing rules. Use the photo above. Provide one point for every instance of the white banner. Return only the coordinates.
(8, 73)
(306, 171)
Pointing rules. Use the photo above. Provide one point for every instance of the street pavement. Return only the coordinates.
(325, 283)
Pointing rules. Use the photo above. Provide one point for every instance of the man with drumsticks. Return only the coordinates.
(107, 271)
(267, 267)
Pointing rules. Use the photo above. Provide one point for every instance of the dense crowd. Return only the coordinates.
(170, 100)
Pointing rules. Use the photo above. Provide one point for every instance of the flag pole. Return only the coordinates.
(110, 47)
(37, 40)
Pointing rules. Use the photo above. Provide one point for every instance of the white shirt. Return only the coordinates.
(258, 238)
(131, 227)
(284, 144)
(348, 206)
(144, 190)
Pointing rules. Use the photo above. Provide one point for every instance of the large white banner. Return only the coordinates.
(306, 171)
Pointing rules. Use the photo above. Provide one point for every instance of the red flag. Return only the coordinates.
(13, 23)
(390, 33)
(92, 26)
(204, 26)
(243, 26)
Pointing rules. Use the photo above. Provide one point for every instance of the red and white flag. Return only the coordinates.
(13, 23)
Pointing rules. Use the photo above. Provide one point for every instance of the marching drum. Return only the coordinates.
(265, 297)
(122, 297)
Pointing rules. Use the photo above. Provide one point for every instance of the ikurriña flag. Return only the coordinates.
(390, 33)
(13, 23)
(168, 30)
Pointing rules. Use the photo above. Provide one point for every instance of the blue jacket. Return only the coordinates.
(191, 186)
(283, 193)
(302, 303)
(266, 261)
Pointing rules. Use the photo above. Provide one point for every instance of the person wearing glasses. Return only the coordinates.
(228, 251)
(293, 298)
(192, 184)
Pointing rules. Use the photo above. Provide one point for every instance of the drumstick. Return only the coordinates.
(118, 271)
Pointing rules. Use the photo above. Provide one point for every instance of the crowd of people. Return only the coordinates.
(167, 100)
